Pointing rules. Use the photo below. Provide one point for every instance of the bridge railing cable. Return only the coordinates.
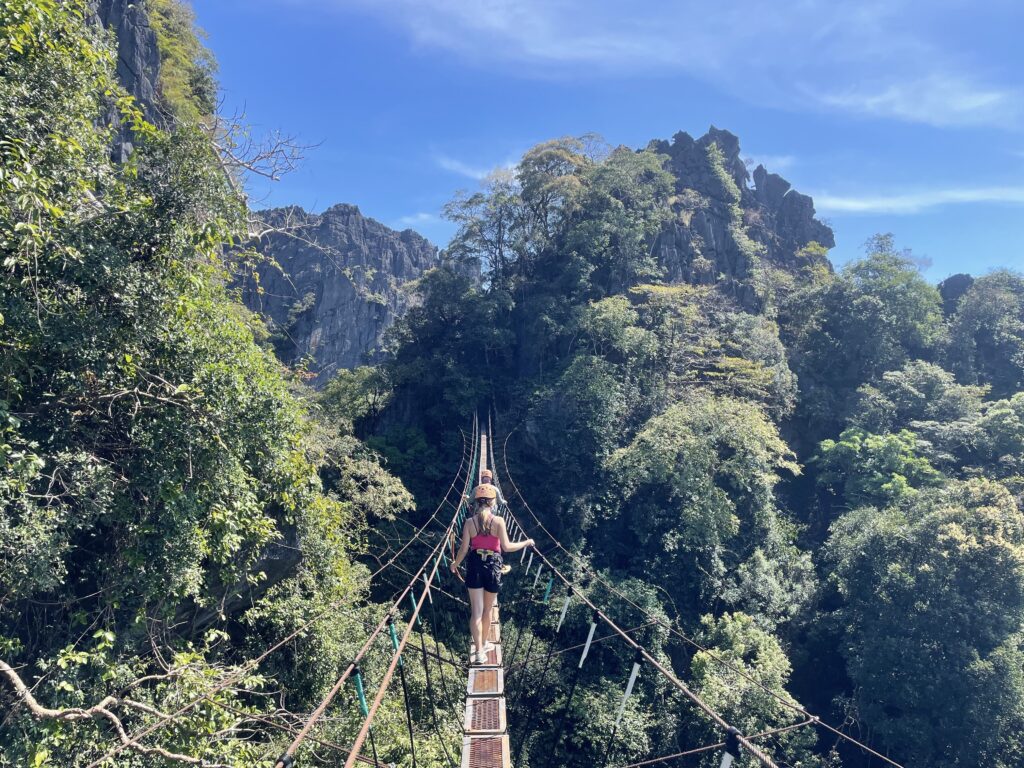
(330, 610)
(814, 719)
(383, 624)
(696, 700)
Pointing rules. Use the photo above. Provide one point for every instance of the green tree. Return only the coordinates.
(918, 393)
(750, 702)
(875, 316)
(153, 457)
(695, 489)
(863, 468)
(932, 600)
(987, 333)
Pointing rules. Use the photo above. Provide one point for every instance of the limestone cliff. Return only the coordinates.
(331, 284)
(726, 231)
(138, 60)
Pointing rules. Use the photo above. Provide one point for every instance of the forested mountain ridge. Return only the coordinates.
(820, 465)
(709, 240)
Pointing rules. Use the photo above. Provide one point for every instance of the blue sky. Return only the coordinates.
(896, 116)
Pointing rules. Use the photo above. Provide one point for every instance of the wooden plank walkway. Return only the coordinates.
(485, 739)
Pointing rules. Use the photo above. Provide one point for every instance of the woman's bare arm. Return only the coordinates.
(463, 547)
(506, 544)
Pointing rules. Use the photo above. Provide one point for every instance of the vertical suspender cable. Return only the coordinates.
(555, 742)
(361, 694)
(433, 701)
(405, 687)
(622, 707)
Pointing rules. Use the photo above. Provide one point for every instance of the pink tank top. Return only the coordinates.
(484, 540)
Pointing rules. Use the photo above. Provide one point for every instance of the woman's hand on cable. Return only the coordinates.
(531, 543)
(454, 568)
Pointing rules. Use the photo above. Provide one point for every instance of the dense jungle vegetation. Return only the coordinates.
(817, 474)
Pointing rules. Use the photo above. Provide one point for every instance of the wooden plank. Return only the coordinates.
(485, 743)
(494, 658)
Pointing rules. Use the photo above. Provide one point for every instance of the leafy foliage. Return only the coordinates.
(932, 605)
(187, 68)
(168, 498)
(987, 333)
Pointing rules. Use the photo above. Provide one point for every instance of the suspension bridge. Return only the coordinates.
(498, 720)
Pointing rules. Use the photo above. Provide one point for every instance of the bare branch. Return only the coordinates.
(97, 712)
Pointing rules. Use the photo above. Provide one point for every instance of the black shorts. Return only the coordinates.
(484, 574)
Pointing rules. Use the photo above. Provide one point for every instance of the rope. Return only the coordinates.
(717, 745)
(637, 662)
(556, 742)
(361, 695)
(673, 630)
(330, 610)
(597, 640)
(389, 622)
(543, 677)
(292, 731)
(405, 688)
(433, 703)
(435, 628)
(668, 675)
(388, 675)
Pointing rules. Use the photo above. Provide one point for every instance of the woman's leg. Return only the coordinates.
(488, 611)
(476, 605)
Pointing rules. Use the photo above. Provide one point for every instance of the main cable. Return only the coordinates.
(675, 631)
(667, 674)
(246, 668)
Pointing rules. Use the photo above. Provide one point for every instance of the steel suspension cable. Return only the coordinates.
(252, 663)
(387, 621)
(666, 673)
(717, 745)
(336, 688)
(433, 702)
(388, 675)
(678, 633)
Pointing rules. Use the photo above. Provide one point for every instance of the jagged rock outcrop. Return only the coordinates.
(332, 284)
(952, 290)
(726, 231)
(138, 62)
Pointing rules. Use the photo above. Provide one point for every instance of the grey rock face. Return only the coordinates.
(952, 290)
(138, 61)
(724, 233)
(333, 285)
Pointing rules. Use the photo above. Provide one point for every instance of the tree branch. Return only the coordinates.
(97, 712)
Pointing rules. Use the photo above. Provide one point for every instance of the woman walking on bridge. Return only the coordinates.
(484, 538)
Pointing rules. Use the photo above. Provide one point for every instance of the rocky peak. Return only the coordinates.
(728, 233)
(331, 284)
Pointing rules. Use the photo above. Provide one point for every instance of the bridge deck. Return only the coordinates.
(485, 743)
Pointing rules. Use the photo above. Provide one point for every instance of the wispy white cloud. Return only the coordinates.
(470, 171)
(417, 219)
(916, 202)
(935, 99)
(872, 57)
(461, 168)
(772, 163)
